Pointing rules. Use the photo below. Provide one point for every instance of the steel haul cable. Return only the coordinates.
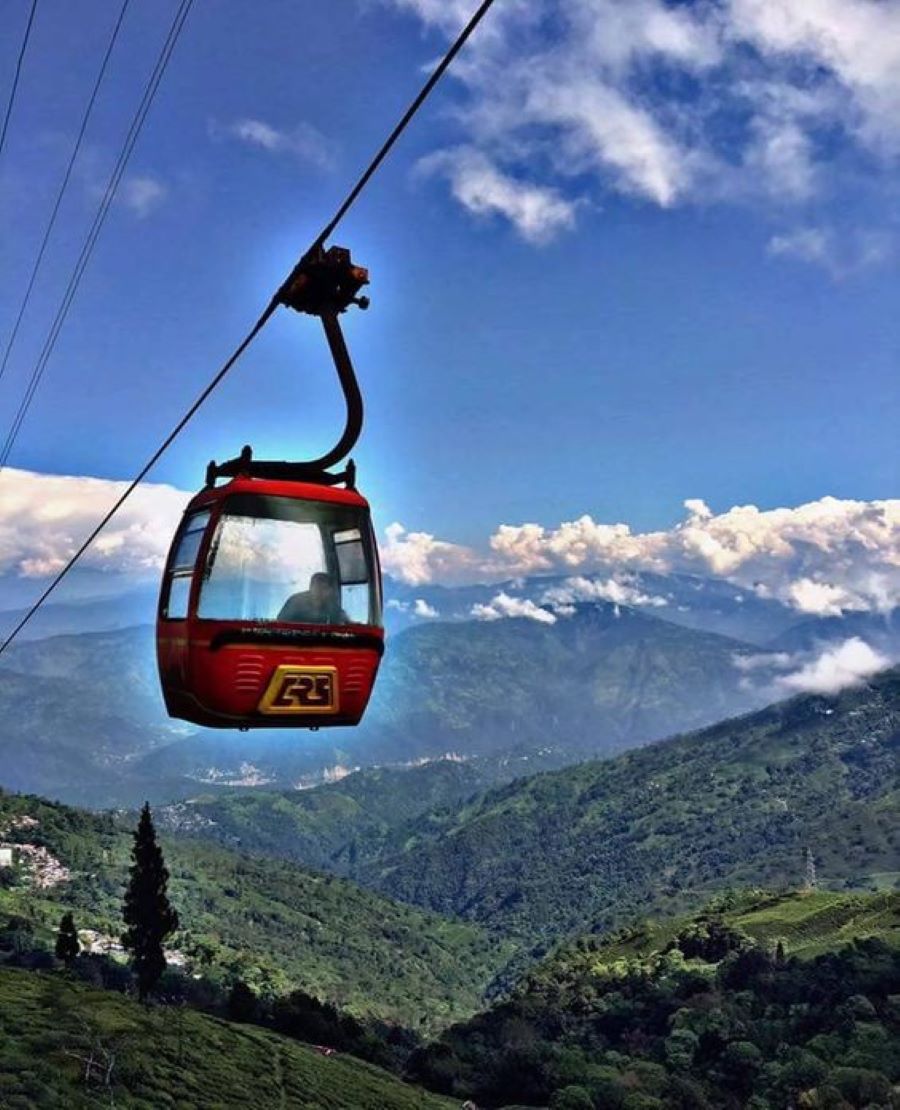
(18, 71)
(345, 206)
(90, 242)
(62, 188)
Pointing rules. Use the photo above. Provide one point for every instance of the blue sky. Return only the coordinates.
(577, 330)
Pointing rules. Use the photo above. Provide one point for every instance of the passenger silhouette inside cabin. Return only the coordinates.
(320, 604)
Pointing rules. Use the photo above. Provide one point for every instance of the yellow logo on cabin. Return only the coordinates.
(301, 690)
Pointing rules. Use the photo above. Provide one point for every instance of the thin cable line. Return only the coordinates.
(87, 249)
(62, 189)
(18, 71)
(145, 469)
(438, 73)
(260, 323)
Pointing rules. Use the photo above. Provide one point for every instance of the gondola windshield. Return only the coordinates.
(280, 559)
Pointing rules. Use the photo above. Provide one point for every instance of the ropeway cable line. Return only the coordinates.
(280, 297)
(14, 88)
(90, 242)
(62, 188)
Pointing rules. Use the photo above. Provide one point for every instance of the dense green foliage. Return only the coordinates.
(149, 916)
(665, 827)
(715, 1011)
(267, 922)
(67, 945)
(340, 826)
(166, 1057)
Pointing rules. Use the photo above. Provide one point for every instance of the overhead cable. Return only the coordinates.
(62, 188)
(273, 304)
(16, 74)
(90, 242)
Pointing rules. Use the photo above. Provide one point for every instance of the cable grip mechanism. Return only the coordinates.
(324, 283)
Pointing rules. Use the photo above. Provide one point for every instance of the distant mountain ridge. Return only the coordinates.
(83, 717)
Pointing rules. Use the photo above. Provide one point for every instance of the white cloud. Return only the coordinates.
(421, 608)
(303, 141)
(840, 666)
(822, 558)
(503, 606)
(619, 590)
(538, 213)
(726, 100)
(840, 255)
(417, 557)
(764, 661)
(44, 518)
(142, 194)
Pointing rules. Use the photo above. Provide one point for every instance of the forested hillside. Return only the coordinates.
(759, 1001)
(268, 923)
(667, 826)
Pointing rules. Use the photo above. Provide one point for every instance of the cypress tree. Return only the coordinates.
(67, 945)
(147, 911)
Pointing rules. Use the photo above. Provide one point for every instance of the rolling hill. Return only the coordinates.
(665, 826)
(268, 922)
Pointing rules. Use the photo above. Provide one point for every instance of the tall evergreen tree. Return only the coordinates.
(147, 911)
(67, 944)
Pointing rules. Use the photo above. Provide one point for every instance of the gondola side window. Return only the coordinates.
(181, 567)
(354, 575)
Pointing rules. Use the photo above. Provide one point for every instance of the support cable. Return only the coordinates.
(16, 74)
(264, 318)
(90, 242)
(62, 188)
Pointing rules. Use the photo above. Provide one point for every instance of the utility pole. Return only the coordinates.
(811, 880)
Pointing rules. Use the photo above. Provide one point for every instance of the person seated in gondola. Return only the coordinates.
(320, 604)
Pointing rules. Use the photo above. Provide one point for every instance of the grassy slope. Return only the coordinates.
(272, 923)
(168, 1058)
(668, 826)
(806, 923)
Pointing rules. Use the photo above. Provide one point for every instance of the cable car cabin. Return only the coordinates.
(270, 609)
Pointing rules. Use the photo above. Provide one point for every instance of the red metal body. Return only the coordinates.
(265, 673)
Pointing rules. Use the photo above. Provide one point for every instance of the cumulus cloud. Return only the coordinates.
(672, 103)
(763, 661)
(821, 558)
(417, 557)
(418, 608)
(537, 212)
(44, 518)
(303, 141)
(619, 590)
(838, 667)
(503, 605)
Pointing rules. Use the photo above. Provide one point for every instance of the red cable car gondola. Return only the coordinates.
(270, 607)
